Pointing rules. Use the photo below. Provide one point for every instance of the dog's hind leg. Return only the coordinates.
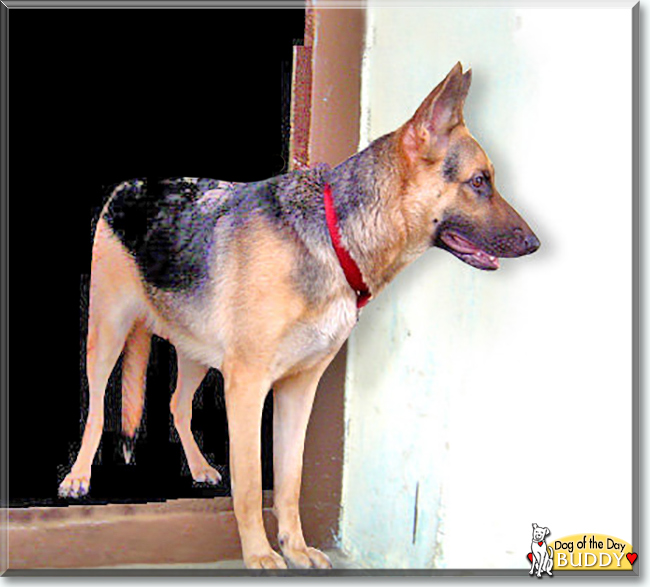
(293, 400)
(549, 561)
(190, 375)
(114, 303)
(106, 337)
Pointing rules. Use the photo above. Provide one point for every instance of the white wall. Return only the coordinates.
(502, 398)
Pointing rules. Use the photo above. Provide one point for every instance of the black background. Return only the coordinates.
(97, 97)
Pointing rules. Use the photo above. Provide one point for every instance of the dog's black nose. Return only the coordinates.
(525, 241)
(531, 242)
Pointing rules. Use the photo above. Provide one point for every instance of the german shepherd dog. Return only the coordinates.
(264, 281)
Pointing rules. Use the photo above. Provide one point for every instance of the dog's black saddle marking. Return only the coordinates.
(166, 228)
(169, 226)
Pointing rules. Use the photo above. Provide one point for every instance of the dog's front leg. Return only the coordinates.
(542, 562)
(532, 565)
(293, 400)
(245, 391)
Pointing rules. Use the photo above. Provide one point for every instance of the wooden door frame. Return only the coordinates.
(325, 129)
(326, 123)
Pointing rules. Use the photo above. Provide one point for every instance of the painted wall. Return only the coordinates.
(478, 403)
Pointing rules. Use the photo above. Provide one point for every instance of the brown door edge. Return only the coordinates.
(328, 77)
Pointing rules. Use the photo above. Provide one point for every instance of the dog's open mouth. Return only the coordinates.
(468, 251)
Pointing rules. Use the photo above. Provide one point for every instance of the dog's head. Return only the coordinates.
(450, 195)
(539, 533)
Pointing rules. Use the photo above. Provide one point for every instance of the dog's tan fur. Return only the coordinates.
(263, 331)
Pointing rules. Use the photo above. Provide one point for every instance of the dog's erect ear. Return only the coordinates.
(535, 526)
(467, 82)
(442, 109)
(427, 133)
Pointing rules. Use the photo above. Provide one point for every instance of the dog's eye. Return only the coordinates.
(480, 184)
(477, 181)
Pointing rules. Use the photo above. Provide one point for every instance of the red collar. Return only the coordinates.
(350, 268)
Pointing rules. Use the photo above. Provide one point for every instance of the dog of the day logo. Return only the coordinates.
(578, 552)
(541, 555)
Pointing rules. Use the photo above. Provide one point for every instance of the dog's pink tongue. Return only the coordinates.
(460, 244)
(486, 259)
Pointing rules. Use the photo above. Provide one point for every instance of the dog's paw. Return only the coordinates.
(268, 560)
(206, 474)
(306, 558)
(75, 485)
(301, 556)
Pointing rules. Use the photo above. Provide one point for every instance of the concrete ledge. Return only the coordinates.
(173, 532)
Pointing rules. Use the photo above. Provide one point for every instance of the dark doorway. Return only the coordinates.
(97, 97)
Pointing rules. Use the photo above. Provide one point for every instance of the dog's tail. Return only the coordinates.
(134, 370)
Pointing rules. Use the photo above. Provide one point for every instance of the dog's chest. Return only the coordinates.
(311, 341)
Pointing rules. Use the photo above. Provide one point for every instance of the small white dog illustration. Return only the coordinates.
(542, 554)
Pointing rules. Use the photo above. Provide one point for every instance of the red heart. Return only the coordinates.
(530, 557)
(540, 543)
(631, 556)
